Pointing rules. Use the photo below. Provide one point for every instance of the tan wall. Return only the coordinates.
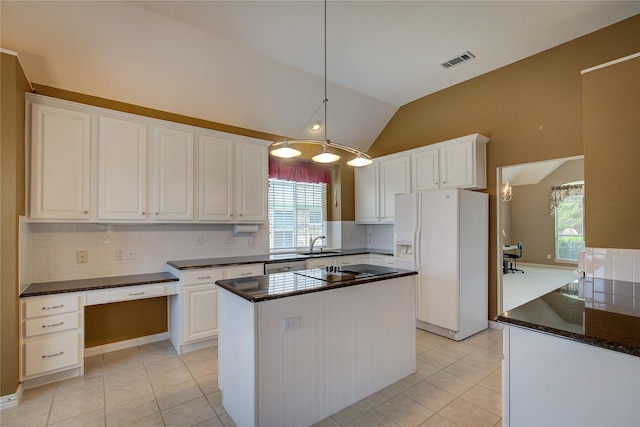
(14, 84)
(612, 155)
(531, 223)
(531, 110)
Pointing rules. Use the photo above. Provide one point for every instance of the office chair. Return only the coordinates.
(513, 259)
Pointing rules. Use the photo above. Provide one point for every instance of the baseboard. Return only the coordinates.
(121, 345)
(186, 348)
(11, 400)
(495, 325)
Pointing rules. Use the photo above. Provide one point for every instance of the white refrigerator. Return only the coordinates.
(443, 234)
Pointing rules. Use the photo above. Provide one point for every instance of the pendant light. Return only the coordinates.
(282, 149)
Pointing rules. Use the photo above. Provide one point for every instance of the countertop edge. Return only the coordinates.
(96, 283)
(581, 338)
(334, 285)
(252, 259)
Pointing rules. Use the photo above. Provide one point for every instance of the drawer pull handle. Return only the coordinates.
(134, 294)
(53, 325)
(49, 356)
(53, 307)
(245, 274)
(204, 277)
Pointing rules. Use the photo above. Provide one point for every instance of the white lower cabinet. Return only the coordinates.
(200, 312)
(193, 312)
(52, 338)
(331, 261)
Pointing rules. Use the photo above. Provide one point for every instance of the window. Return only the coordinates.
(297, 211)
(569, 227)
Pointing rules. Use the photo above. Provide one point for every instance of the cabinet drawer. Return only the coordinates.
(45, 306)
(51, 354)
(245, 271)
(202, 276)
(50, 324)
(135, 292)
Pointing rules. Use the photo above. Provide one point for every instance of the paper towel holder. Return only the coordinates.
(245, 228)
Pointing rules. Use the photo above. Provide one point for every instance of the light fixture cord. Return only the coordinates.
(326, 100)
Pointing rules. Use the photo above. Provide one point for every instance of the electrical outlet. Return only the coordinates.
(131, 253)
(252, 239)
(291, 323)
(199, 239)
(548, 256)
(228, 238)
(82, 256)
(119, 254)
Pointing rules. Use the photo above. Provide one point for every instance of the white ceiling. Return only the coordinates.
(259, 64)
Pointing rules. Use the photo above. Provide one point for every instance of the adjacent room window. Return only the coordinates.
(297, 204)
(567, 202)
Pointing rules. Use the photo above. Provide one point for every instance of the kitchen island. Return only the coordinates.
(572, 356)
(296, 347)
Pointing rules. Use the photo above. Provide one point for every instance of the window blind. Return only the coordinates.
(297, 211)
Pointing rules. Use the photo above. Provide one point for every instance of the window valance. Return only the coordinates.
(558, 194)
(298, 171)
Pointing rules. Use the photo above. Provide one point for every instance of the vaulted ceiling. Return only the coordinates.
(260, 64)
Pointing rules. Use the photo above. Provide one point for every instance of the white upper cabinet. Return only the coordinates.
(252, 182)
(457, 163)
(367, 193)
(424, 169)
(457, 166)
(376, 187)
(60, 163)
(173, 159)
(215, 179)
(122, 169)
(394, 179)
(94, 164)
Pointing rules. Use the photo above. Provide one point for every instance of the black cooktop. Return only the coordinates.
(349, 272)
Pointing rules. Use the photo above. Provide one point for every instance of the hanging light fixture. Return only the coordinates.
(507, 192)
(282, 149)
(285, 151)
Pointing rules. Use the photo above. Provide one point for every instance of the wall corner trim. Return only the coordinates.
(11, 52)
(607, 64)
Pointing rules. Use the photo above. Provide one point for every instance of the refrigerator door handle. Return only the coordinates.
(416, 250)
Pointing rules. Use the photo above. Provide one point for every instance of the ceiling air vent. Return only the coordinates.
(466, 56)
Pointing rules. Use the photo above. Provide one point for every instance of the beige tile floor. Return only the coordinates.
(456, 384)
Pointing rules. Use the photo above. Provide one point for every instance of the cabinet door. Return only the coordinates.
(456, 165)
(252, 183)
(366, 186)
(215, 179)
(320, 262)
(342, 261)
(122, 169)
(394, 179)
(424, 170)
(173, 174)
(60, 163)
(200, 311)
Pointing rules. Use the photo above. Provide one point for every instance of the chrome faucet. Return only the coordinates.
(312, 241)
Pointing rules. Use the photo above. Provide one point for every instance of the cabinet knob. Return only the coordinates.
(85, 212)
(156, 213)
(143, 213)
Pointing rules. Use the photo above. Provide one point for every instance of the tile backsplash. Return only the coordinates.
(49, 251)
(611, 263)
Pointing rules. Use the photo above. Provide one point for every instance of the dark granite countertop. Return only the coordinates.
(80, 285)
(188, 264)
(281, 285)
(600, 312)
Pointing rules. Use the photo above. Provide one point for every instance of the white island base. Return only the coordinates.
(351, 342)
